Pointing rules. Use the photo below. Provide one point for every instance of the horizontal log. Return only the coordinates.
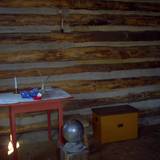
(88, 86)
(23, 118)
(77, 69)
(88, 103)
(21, 20)
(28, 47)
(30, 29)
(23, 129)
(43, 125)
(89, 53)
(30, 3)
(113, 5)
(117, 92)
(109, 12)
(85, 119)
(30, 10)
(81, 37)
(80, 19)
(61, 64)
(105, 85)
(86, 4)
(75, 20)
(105, 28)
(68, 29)
(113, 64)
(150, 113)
(146, 108)
(35, 81)
(4, 114)
(56, 11)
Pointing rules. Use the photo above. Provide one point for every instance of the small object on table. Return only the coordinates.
(15, 85)
(34, 93)
(38, 96)
(25, 94)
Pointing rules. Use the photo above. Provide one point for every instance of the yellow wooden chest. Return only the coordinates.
(111, 124)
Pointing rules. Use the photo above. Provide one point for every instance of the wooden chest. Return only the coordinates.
(111, 124)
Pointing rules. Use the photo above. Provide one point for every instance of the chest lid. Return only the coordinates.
(114, 110)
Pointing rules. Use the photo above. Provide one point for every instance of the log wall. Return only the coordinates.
(102, 52)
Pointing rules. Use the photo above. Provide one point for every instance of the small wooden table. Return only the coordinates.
(18, 105)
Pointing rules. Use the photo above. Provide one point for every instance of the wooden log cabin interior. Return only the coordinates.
(102, 52)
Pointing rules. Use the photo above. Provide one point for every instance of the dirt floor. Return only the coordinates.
(146, 147)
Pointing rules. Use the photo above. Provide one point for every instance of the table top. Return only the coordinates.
(50, 94)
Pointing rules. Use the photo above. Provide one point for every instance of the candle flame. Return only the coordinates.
(10, 146)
